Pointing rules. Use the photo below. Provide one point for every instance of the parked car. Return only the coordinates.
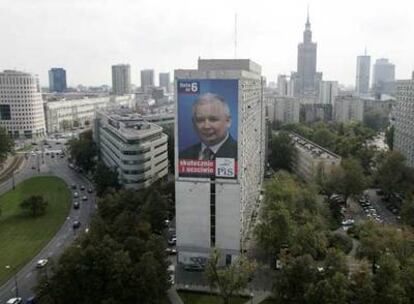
(90, 190)
(82, 188)
(76, 205)
(84, 198)
(75, 194)
(172, 241)
(74, 186)
(76, 224)
(171, 251)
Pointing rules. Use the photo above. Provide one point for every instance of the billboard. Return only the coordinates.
(207, 116)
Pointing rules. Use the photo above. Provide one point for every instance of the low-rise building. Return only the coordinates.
(132, 145)
(312, 159)
(66, 114)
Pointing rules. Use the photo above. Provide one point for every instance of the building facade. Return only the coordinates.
(21, 105)
(164, 80)
(121, 79)
(311, 112)
(312, 160)
(135, 147)
(348, 108)
(57, 80)
(66, 114)
(363, 71)
(215, 207)
(404, 120)
(147, 80)
(328, 90)
(383, 81)
(282, 109)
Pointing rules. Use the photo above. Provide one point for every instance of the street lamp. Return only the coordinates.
(15, 281)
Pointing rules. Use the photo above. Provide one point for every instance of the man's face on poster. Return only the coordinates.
(211, 122)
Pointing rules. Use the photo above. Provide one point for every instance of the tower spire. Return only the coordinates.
(307, 19)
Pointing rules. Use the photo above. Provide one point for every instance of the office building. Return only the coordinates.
(135, 147)
(57, 80)
(404, 120)
(363, 70)
(63, 115)
(217, 195)
(306, 78)
(311, 112)
(348, 108)
(147, 80)
(21, 105)
(121, 79)
(282, 109)
(312, 159)
(383, 81)
(164, 79)
(328, 90)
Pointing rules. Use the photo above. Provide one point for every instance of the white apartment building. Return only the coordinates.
(328, 90)
(404, 120)
(348, 108)
(283, 109)
(21, 105)
(216, 211)
(312, 159)
(135, 147)
(66, 114)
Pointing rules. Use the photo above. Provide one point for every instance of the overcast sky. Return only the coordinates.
(87, 36)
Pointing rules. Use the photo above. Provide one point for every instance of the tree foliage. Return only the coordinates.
(35, 205)
(83, 151)
(6, 144)
(121, 260)
(105, 179)
(283, 152)
(228, 279)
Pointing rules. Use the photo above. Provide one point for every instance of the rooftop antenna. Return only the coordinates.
(235, 36)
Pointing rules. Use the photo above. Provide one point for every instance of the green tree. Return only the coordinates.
(105, 179)
(393, 175)
(376, 120)
(407, 211)
(83, 151)
(349, 179)
(6, 144)
(34, 204)
(362, 286)
(389, 137)
(325, 138)
(330, 290)
(283, 152)
(229, 279)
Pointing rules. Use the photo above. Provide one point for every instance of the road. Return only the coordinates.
(38, 165)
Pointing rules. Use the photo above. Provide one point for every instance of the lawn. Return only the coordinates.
(22, 236)
(203, 298)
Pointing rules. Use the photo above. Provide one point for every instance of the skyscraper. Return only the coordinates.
(220, 127)
(164, 79)
(121, 79)
(362, 74)
(306, 77)
(147, 79)
(328, 90)
(21, 105)
(383, 81)
(57, 80)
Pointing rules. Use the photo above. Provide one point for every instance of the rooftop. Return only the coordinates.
(315, 150)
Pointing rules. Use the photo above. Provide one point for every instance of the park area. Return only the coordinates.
(22, 236)
(203, 298)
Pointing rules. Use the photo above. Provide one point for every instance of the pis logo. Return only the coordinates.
(225, 167)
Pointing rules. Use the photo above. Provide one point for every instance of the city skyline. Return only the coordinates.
(166, 36)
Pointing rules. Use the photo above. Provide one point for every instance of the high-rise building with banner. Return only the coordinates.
(219, 156)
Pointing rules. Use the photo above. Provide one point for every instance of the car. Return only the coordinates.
(193, 267)
(72, 166)
(171, 251)
(31, 300)
(90, 190)
(14, 301)
(76, 224)
(172, 241)
(47, 153)
(50, 147)
(62, 156)
(76, 205)
(82, 188)
(84, 198)
(75, 194)
(171, 271)
(58, 142)
(34, 153)
(41, 263)
(33, 168)
(73, 186)
(348, 222)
